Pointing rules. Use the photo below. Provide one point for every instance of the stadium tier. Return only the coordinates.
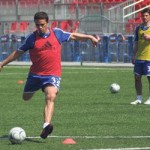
(102, 17)
(16, 15)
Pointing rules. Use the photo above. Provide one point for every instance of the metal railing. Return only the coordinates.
(131, 14)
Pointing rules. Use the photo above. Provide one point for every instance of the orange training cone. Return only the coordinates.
(20, 82)
(69, 141)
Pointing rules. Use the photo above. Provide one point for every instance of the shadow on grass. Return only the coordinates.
(4, 137)
(34, 140)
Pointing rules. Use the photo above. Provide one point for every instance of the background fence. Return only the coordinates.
(112, 48)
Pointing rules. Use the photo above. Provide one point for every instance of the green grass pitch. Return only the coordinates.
(85, 110)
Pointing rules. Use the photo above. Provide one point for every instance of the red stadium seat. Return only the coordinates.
(48, 1)
(91, 1)
(72, 7)
(8, 2)
(14, 27)
(23, 26)
(139, 15)
(34, 2)
(98, 1)
(138, 20)
(75, 26)
(11, 2)
(54, 24)
(119, 1)
(84, 1)
(70, 22)
(64, 25)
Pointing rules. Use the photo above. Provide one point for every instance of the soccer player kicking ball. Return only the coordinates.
(44, 47)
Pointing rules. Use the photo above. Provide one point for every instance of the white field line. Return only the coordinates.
(1, 74)
(88, 68)
(88, 137)
(64, 72)
(15, 64)
(96, 137)
(136, 148)
(96, 68)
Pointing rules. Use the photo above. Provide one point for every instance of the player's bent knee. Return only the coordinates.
(51, 97)
(27, 96)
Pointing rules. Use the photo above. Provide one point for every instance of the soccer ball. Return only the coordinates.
(17, 135)
(114, 88)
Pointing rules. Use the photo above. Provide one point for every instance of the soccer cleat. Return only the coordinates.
(147, 102)
(136, 102)
(46, 131)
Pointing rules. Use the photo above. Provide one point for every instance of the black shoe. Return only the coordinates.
(46, 131)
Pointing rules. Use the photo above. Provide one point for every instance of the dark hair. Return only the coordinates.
(41, 15)
(146, 10)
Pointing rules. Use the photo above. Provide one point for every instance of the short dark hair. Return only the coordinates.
(146, 10)
(41, 15)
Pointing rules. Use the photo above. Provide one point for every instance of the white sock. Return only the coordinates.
(45, 124)
(139, 97)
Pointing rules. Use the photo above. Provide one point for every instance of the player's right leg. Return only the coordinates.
(138, 83)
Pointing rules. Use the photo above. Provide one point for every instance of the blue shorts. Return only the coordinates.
(142, 67)
(36, 82)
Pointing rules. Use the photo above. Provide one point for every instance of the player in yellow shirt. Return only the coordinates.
(141, 56)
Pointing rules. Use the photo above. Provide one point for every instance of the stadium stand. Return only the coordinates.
(8, 2)
(102, 17)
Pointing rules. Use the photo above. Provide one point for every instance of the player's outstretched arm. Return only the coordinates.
(80, 36)
(13, 56)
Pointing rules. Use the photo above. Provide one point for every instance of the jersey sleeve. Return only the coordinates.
(28, 43)
(61, 35)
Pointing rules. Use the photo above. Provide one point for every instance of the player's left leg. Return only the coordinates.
(50, 96)
(147, 73)
(148, 77)
(147, 102)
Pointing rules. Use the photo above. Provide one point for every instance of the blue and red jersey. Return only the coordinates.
(45, 51)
